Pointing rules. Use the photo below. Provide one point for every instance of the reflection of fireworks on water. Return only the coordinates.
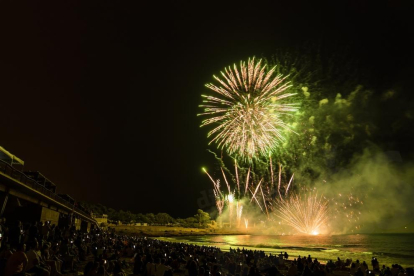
(305, 214)
(249, 110)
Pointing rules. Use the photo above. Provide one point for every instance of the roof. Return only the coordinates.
(10, 158)
(40, 178)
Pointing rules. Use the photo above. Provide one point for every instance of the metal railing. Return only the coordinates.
(7, 169)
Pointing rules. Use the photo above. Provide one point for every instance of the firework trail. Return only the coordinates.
(260, 193)
(220, 199)
(249, 110)
(306, 214)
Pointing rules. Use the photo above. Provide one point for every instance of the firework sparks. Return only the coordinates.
(249, 110)
(253, 193)
(230, 199)
(305, 214)
(220, 205)
(239, 211)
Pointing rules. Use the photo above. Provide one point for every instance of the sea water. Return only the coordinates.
(387, 248)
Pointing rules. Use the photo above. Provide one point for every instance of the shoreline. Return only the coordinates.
(172, 231)
(175, 231)
(173, 234)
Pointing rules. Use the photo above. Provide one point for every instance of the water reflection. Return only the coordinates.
(389, 249)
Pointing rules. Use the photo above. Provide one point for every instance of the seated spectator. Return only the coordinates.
(17, 262)
(55, 265)
(5, 252)
(35, 263)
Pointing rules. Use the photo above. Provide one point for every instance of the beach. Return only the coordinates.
(388, 248)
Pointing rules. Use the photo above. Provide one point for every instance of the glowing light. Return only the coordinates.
(249, 110)
(230, 198)
(239, 212)
(262, 194)
(306, 214)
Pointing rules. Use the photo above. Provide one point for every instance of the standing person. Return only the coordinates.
(4, 232)
(15, 234)
(118, 271)
(138, 264)
(46, 230)
(161, 268)
(52, 232)
(17, 263)
(34, 232)
(67, 257)
(150, 267)
(192, 267)
(293, 270)
(1, 228)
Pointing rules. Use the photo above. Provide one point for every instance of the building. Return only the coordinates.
(30, 196)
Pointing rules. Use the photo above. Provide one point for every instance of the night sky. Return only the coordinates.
(102, 96)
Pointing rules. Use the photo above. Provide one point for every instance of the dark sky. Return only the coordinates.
(102, 96)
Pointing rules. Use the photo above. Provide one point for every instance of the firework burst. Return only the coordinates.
(305, 214)
(248, 110)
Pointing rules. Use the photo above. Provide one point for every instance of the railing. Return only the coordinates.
(6, 169)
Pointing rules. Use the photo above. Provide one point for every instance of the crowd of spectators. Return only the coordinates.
(42, 249)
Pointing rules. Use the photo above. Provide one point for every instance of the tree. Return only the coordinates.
(150, 218)
(163, 218)
(202, 218)
(182, 222)
(114, 216)
(141, 218)
(191, 222)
